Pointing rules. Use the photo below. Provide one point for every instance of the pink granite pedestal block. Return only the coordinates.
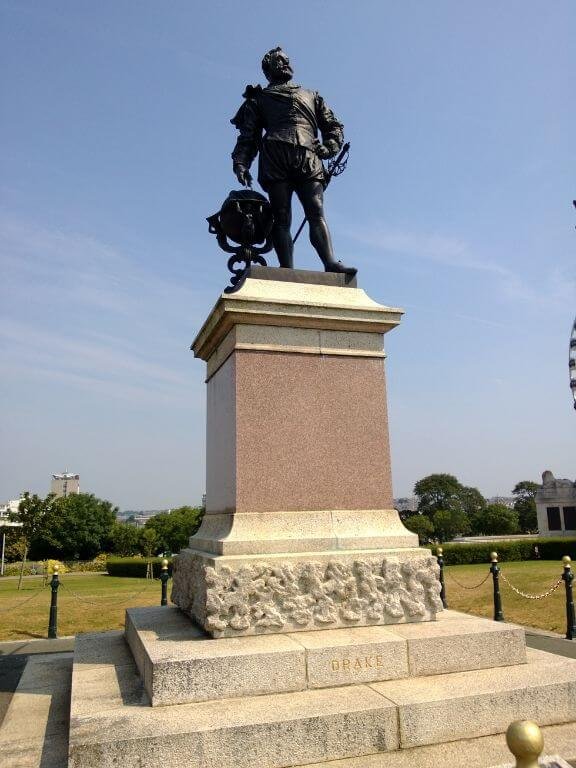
(300, 530)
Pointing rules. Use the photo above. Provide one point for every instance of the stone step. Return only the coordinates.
(179, 663)
(112, 722)
(480, 752)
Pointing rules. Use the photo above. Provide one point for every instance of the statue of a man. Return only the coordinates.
(290, 154)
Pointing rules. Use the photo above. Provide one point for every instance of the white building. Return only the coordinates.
(556, 506)
(8, 507)
(64, 484)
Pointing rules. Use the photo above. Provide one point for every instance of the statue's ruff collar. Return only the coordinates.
(252, 90)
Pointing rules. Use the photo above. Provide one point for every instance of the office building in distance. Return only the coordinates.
(64, 484)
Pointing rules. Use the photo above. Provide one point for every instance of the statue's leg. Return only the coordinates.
(280, 194)
(311, 195)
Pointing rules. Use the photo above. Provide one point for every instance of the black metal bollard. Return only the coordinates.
(53, 622)
(440, 558)
(568, 578)
(495, 571)
(164, 576)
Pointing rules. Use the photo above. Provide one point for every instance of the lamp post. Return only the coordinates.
(53, 622)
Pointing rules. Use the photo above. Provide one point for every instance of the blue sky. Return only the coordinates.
(456, 205)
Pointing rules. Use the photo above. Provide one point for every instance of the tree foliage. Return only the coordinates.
(33, 514)
(78, 526)
(525, 505)
(437, 492)
(421, 525)
(453, 508)
(449, 523)
(125, 539)
(174, 528)
(498, 519)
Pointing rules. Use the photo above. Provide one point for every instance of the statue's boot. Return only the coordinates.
(337, 266)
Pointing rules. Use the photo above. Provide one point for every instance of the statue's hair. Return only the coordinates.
(268, 58)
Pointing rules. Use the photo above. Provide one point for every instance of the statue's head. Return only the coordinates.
(276, 66)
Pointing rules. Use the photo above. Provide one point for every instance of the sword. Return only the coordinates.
(335, 168)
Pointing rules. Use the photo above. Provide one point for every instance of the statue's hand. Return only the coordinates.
(243, 175)
(325, 151)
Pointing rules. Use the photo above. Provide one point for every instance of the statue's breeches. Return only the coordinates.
(280, 161)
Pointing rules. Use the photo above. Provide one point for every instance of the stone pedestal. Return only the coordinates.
(300, 531)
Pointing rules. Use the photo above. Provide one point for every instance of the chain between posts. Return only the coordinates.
(475, 586)
(113, 602)
(567, 577)
(528, 596)
(23, 602)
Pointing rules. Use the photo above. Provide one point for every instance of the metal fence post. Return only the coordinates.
(495, 571)
(568, 578)
(440, 558)
(53, 622)
(164, 576)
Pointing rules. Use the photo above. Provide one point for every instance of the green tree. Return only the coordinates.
(498, 519)
(148, 544)
(436, 492)
(525, 505)
(449, 523)
(125, 539)
(421, 525)
(175, 528)
(473, 505)
(15, 545)
(79, 526)
(444, 493)
(34, 513)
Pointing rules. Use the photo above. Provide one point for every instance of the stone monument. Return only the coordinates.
(300, 531)
(307, 624)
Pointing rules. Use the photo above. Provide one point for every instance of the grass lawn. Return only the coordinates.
(532, 577)
(86, 603)
(93, 603)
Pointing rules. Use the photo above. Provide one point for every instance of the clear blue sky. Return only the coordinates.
(456, 205)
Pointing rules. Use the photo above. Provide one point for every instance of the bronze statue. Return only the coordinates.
(290, 154)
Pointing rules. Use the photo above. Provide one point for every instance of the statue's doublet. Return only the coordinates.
(284, 113)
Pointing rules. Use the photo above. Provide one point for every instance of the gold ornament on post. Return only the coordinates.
(525, 741)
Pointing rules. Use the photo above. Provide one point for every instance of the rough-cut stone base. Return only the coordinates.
(229, 596)
(179, 663)
(113, 724)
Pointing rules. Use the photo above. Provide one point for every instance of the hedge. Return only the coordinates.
(470, 553)
(134, 566)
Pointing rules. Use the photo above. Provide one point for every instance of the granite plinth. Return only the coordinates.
(179, 663)
(372, 724)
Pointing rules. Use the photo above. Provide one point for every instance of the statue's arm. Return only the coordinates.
(331, 129)
(249, 124)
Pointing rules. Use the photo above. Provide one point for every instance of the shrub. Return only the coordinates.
(31, 568)
(523, 549)
(48, 567)
(98, 564)
(134, 567)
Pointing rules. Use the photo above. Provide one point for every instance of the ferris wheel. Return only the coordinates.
(572, 362)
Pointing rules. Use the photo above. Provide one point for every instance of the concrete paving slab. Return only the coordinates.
(34, 733)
